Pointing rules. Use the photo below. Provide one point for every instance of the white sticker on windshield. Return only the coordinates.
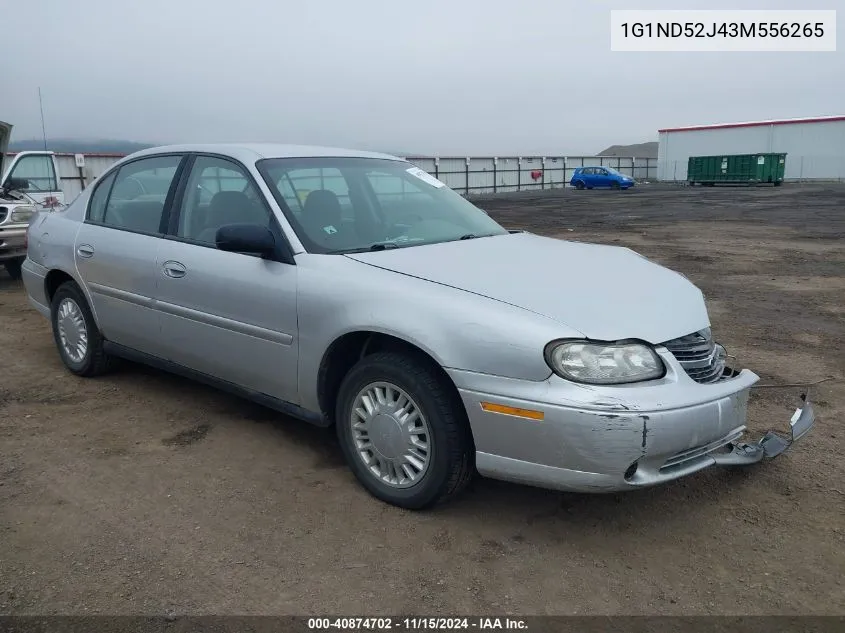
(425, 177)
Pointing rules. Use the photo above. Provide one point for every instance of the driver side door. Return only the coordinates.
(39, 171)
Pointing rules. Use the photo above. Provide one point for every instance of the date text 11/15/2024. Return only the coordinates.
(416, 624)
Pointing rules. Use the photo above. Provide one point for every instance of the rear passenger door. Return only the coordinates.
(228, 315)
(116, 246)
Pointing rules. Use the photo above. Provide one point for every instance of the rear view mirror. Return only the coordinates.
(246, 238)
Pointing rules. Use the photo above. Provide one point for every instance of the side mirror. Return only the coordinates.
(21, 184)
(246, 238)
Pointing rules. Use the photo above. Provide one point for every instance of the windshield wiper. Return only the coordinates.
(468, 236)
(383, 246)
(378, 246)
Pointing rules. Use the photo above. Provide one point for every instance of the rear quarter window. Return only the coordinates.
(97, 204)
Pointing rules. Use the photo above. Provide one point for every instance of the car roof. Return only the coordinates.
(251, 152)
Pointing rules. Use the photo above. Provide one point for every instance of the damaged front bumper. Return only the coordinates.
(598, 439)
(772, 443)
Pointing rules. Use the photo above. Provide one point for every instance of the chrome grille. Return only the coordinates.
(3, 213)
(701, 357)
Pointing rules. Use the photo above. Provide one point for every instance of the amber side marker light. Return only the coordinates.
(515, 411)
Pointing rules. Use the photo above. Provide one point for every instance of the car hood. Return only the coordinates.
(5, 135)
(605, 292)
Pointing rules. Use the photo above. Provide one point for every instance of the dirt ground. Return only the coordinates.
(142, 493)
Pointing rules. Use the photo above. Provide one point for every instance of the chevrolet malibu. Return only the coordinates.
(353, 289)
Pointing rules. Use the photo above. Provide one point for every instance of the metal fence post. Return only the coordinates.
(495, 161)
(466, 175)
(437, 167)
(519, 173)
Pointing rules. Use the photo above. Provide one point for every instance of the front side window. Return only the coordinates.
(338, 205)
(37, 171)
(218, 192)
(137, 196)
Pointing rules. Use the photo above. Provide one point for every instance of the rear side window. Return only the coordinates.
(137, 196)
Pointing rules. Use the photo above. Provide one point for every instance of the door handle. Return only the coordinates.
(174, 269)
(84, 250)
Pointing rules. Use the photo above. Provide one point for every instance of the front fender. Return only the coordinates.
(460, 330)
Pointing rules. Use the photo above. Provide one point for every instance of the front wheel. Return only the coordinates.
(615, 185)
(13, 268)
(403, 431)
(77, 336)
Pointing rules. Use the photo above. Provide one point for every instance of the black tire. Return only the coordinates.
(95, 361)
(13, 268)
(615, 185)
(579, 185)
(778, 183)
(452, 462)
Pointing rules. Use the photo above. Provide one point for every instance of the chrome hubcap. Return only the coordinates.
(391, 435)
(72, 331)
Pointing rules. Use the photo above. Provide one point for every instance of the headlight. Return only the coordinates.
(604, 363)
(22, 214)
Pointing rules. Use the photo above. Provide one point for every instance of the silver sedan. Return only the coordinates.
(353, 289)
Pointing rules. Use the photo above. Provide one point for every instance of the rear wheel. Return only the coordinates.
(403, 431)
(77, 337)
(579, 185)
(13, 268)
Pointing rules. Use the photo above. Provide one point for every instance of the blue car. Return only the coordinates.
(595, 177)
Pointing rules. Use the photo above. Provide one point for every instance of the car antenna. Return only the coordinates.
(43, 129)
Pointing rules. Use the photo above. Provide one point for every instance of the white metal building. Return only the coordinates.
(814, 147)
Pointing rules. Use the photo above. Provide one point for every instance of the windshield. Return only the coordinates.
(339, 205)
(612, 171)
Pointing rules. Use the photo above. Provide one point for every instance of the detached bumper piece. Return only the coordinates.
(771, 444)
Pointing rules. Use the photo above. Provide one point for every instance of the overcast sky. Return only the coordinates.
(442, 77)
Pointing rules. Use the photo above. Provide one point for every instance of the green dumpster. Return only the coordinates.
(748, 169)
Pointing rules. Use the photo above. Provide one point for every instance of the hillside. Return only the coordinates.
(81, 146)
(639, 150)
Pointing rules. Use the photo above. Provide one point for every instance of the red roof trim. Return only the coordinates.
(719, 126)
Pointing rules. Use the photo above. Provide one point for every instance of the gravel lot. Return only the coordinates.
(144, 493)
